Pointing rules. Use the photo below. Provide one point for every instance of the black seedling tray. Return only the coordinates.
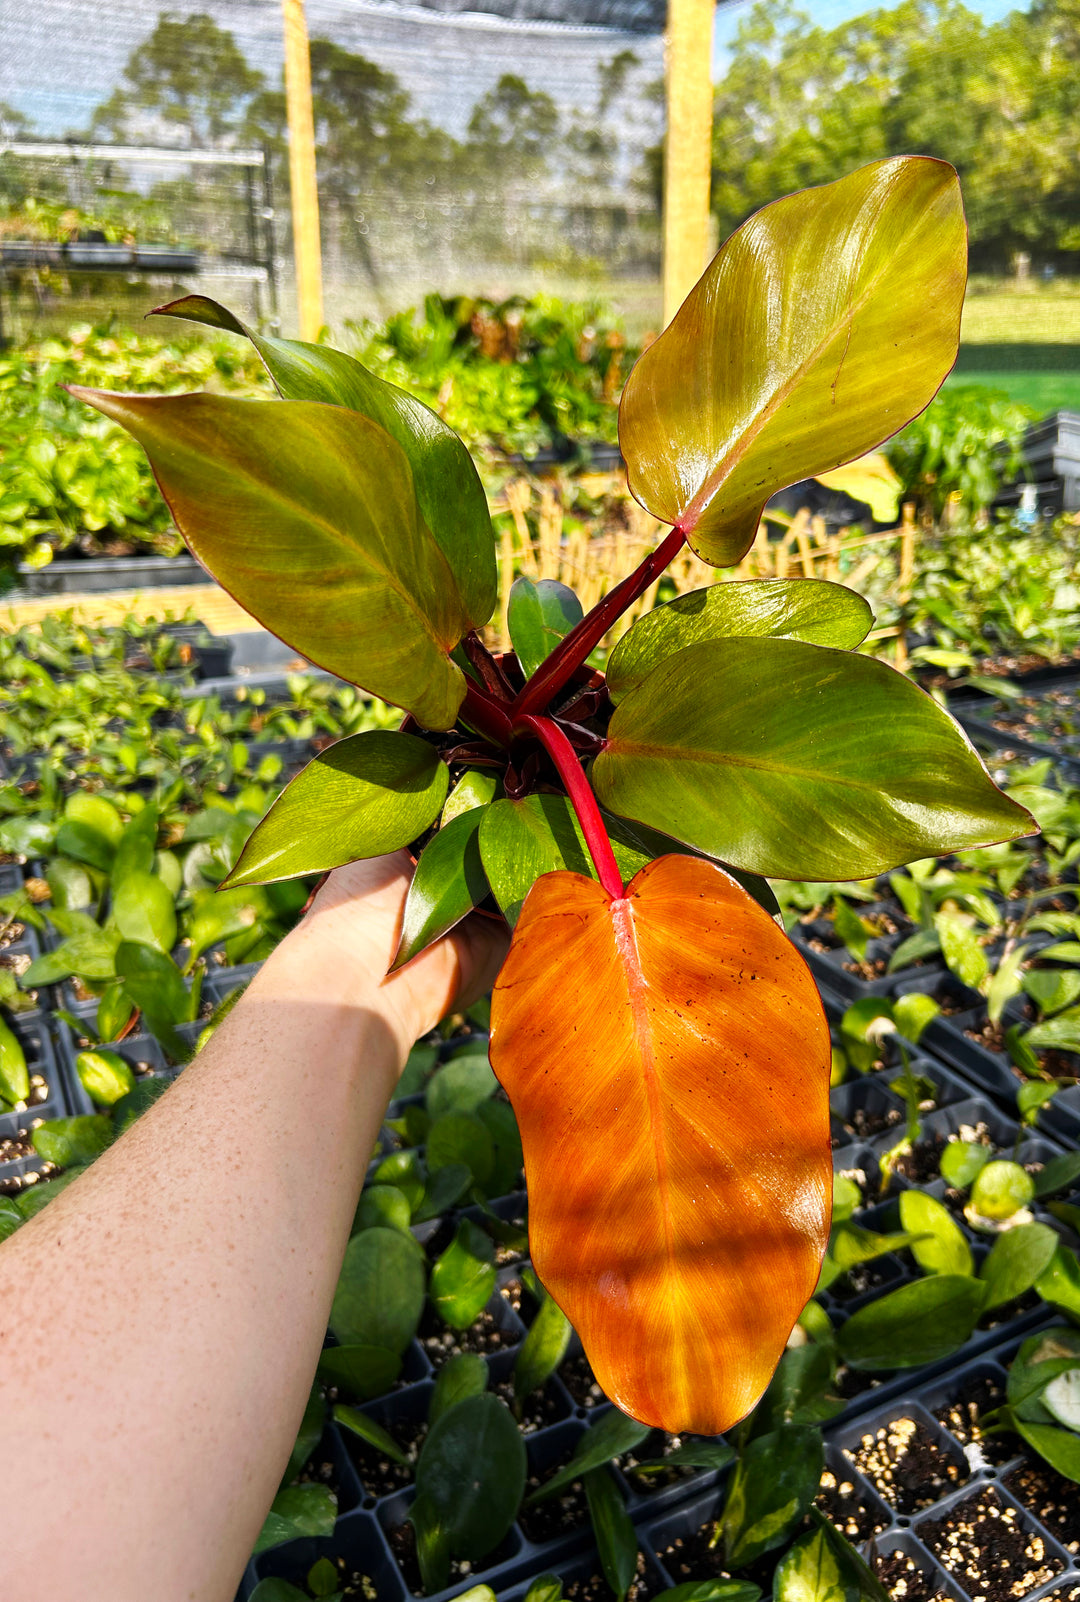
(41, 1059)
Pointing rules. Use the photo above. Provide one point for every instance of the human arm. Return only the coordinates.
(162, 1318)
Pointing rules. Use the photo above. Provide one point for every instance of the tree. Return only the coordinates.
(513, 127)
(188, 77)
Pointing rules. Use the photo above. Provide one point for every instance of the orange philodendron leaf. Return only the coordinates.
(667, 1057)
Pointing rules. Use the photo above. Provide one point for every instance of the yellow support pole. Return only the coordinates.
(307, 251)
(688, 148)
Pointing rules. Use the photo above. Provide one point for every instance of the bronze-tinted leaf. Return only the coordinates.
(668, 1061)
(824, 323)
(308, 514)
(448, 488)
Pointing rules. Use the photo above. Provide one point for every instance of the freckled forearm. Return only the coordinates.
(164, 1315)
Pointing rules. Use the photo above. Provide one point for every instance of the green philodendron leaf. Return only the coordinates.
(68, 1142)
(704, 1454)
(799, 762)
(471, 1475)
(380, 1291)
(823, 1567)
(616, 1538)
(1060, 1173)
(499, 1121)
(813, 610)
(945, 1249)
(308, 515)
(962, 1160)
(448, 488)
(69, 883)
(1059, 1283)
(360, 1371)
(113, 1011)
(1058, 1034)
(298, 1510)
(222, 914)
(775, 1481)
(851, 1245)
(104, 1075)
(461, 1085)
(14, 1073)
(459, 1138)
(445, 1188)
(798, 1392)
(1052, 989)
(1016, 1261)
(540, 614)
(156, 986)
(136, 849)
(143, 909)
(960, 947)
(1041, 1358)
(463, 1375)
(913, 1012)
(463, 1278)
(368, 794)
(448, 883)
(277, 1590)
(543, 1348)
(83, 843)
(710, 1591)
(916, 1324)
(308, 1435)
(771, 371)
(476, 788)
(402, 1168)
(366, 1428)
(1000, 1189)
(382, 1207)
(1060, 1448)
(611, 1437)
(520, 840)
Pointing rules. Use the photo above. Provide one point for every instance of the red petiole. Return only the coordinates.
(571, 652)
(582, 799)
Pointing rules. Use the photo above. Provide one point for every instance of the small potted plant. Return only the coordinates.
(661, 1039)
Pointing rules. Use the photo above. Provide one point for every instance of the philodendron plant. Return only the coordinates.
(661, 1041)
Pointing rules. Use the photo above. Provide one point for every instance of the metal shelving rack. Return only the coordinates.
(257, 266)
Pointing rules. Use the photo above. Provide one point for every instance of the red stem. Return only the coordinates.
(582, 800)
(571, 652)
(484, 715)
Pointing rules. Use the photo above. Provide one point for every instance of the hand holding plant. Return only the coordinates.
(661, 1040)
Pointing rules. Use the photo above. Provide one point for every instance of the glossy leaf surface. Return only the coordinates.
(470, 1476)
(540, 614)
(680, 1230)
(814, 610)
(307, 514)
(916, 1324)
(772, 370)
(448, 883)
(774, 1482)
(799, 762)
(1016, 1260)
(365, 795)
(616, 1540)
(448, 488)
(380, 1292)
(823, 1567)
(463, 1278)
(614, 1435)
